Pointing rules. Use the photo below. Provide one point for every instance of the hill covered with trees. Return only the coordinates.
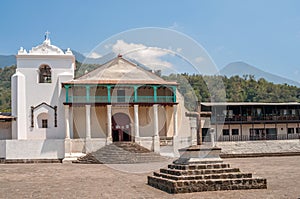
(194, 87)
(5, 94)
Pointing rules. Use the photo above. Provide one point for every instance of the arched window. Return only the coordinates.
(44, 74)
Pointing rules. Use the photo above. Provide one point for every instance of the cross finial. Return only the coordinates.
(47, 35)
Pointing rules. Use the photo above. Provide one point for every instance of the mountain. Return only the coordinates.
(101, 60)
(242, 68)
(7, 60)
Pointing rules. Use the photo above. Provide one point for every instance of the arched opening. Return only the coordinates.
(44, 74)
(121, 130)
(43, 120)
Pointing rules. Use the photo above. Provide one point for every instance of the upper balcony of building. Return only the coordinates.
(253, 112)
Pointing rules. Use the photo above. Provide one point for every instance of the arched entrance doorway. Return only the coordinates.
(121, 130)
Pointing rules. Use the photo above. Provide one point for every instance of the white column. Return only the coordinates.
(156, 142)
(109, 133)
(155, 112)
(71, 122)
(88, 121)
(175, 119)
(136, 121)
(212, 137)
(67, 122)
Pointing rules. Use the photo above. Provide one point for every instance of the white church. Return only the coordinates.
(55, 115)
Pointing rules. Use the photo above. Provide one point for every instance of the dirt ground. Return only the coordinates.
(130, 181)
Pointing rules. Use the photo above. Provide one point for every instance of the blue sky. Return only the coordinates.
(265, 34)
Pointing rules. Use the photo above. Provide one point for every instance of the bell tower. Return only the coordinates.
(37, 97)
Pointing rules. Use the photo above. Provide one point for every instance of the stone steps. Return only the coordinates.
(177, 172)
(187, 186)
(205, 177)
(121, 153)
(198, 166)
(185, 178)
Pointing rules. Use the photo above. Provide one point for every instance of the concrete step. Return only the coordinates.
(204, 177)
(177, 172)
(198, 166)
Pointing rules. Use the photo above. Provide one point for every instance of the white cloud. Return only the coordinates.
(149, 56)
(93, 55)
(199, 59)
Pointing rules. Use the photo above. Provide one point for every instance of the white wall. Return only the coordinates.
(35, 93)
(34, 149)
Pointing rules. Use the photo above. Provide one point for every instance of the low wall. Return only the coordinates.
(83, 145)
(34, 149)
(146, 142)
(2, 148)
(259, 147)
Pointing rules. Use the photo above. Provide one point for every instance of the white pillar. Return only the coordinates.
(136, 121)
(212, 137)
(175, 119)
(109, 133)
(71, 123)
(19, 108)
(67, 111)
(88, 121)
(156, 142)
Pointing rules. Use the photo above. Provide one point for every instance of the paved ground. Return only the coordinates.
(101, 181)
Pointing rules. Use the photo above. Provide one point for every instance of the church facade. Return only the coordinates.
(55, 114)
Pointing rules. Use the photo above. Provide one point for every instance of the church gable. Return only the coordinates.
(120, 70)
(45, 49)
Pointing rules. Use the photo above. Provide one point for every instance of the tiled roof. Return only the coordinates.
(6, 118)
(120, 71)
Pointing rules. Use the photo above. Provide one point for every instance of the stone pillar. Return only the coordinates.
(88, 121)
(156, 141)
(136, 121)
(109, 133)
(67, 121)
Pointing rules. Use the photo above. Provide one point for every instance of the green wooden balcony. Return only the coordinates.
(120, 99)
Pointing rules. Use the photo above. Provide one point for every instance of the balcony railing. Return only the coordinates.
(120, 99)
(255, 118)
(234, 138)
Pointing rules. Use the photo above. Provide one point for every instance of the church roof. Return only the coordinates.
(120, 71)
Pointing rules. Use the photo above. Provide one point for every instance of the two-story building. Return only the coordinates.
(245, 121)
(54, 114)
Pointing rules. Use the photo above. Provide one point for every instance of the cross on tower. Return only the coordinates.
(47, 35)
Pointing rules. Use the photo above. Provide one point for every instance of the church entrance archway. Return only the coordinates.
(121, 130)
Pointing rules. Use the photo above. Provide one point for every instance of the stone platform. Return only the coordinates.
(200, 169)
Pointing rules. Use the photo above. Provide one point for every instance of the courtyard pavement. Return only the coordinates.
(130, 181)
